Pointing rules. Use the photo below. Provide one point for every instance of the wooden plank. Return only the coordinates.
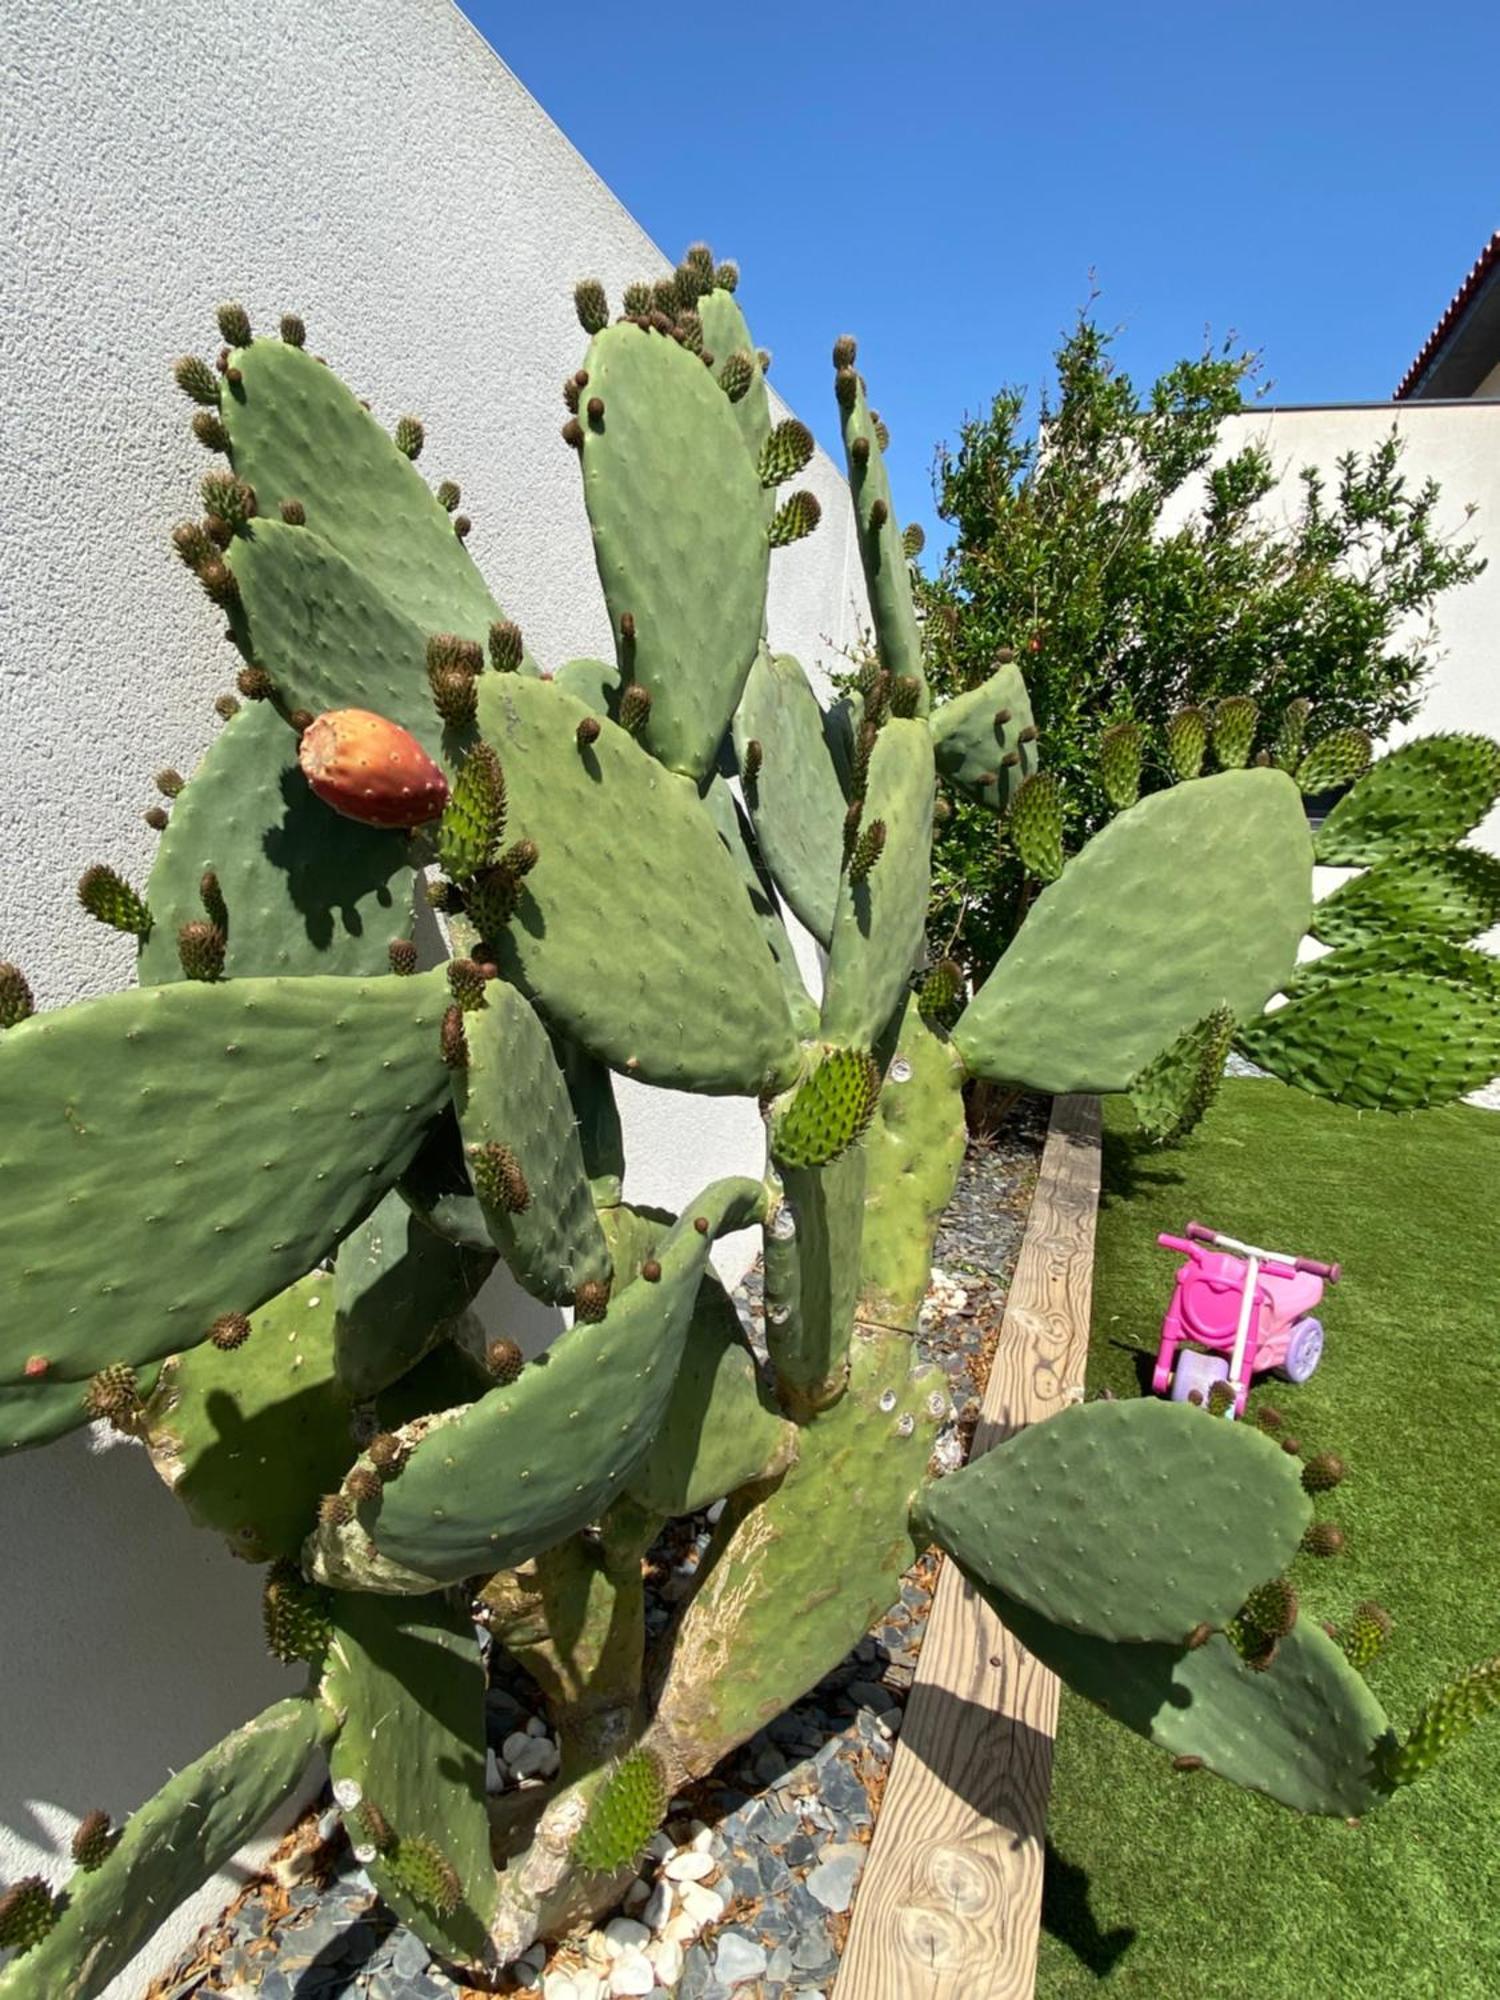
(949, 1904)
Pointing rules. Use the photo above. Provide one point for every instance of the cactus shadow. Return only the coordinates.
(1130, 1165)
(329, 864)
(1068, 1916)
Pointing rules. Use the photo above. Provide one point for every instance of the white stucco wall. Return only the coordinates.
(372, 165)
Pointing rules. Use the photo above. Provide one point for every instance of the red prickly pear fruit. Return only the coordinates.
(371, 770)
(37, 1365)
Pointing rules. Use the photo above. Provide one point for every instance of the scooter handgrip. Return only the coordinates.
(1200, 1233)
(1329, 1271)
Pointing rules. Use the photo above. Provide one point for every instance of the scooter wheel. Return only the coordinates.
(1304, 1350)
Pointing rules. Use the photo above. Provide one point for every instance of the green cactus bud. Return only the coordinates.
(829, 1111)
(1292, 1447)
(1337, 759)
(882, 433)
(421, 1868)
(941, 994)
(1271, 1608)
(1323, 1473)
(504, 1360)
(28, 1910)
(372, 1828)
(229, 1330)
(1323, 1538)
(228, 499)
(506, 646)
(491, 897)
(590, 1301)
(1121, 753)
(690, 332)
(1187, 742)
(108, 897)
(454, 695)
(226, 707)
(402, 954)
(913, 541)
(292, 330)
(219, 583)
(192, 544)
(197, 380)
(1234, 719)
(1447, 1718)
(737, 374)
(906, 696)
(623, 1814)
(447, 649)
(466, 984)
(795, 517)
(1286, 750)
(234, 323)
(16, 1002)
(637, 301)
(635, 708)
(295, 1615)
(113, 1396)
(410, 436)
(255, 684)
(448, 495)
(699, 259)
(867, 851)
(208, 429)
(785, 453)
(1365, 1635)
(1035, 825)
(93, 1840)
(727, 276)
(498, 1179)
(520, 858)
(473, 822)
(591, 305)
(200, 950)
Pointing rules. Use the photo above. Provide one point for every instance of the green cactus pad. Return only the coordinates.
(1426, 795)
(720, 1428)
(1454, 894)
(473, 822)
(1082, 1518)
(672, 988)
(398, 1288)
(1334, 760)
(1174, 1090)
(887, 572)
(439, 1191)
(734, 830)
(970, 741)
(725, 332)
(1234, 720)
(1388, 1041)
(526, 1465)
(513, 1094)
(282, 1107)
(829, 1111)
(1129, 947)
(168, 1849)
(1034, 825)
(306, 890)
(812, 1276)
(795, 799)
(1304, 1731)
(1187, 743)
(1433, 955)
(1121, 753)
(1363, 1638)
(623, 1814)
(296, 1615)
(667, 467)
(1447, 1718)
(597, 1118)
(593, 682)
(913, 1151)
(778, 1606)
(1286, 748)
(879, 924)
(406, 1682)
(296, 433)
(250, 1437)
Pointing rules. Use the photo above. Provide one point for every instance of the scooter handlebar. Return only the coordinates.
(1200, 1232)
(1329, 1271)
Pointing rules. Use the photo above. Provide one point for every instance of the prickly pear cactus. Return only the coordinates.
(245, 1209)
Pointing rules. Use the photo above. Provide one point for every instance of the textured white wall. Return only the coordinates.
(372, 165)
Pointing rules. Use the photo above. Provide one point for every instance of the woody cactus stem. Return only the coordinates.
(286, 1088)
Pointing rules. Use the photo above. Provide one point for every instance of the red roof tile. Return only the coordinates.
(1486, 262)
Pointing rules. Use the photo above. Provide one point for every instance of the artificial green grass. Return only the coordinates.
(1178, 1886)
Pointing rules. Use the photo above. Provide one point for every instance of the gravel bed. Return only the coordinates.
(746, 1892)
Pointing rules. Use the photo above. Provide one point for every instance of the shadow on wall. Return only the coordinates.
(84, 1722)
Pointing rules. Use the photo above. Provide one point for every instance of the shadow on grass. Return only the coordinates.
(1066, 1915)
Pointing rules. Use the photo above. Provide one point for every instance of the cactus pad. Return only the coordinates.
(1174, 1090)
(1426, 795)
(829, 1111)
(975, 732)
(1364, 1637)
(795, 799)
(1034, 824)
(1187, 742)
(623, 1814)
(1334, 760)
(1081, 1518)
(1453, 894)
(1448, 1717)
(1127, 948)
(398, 1288)
(887, 572)
(340, 1075)
(295, 1614)
(1234, 720)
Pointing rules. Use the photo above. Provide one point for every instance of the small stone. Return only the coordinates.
(738, 1958)
(516, 1741)
(832, 1881)
(700, 1904)
(536, 1727)
(623, 1933)
(689, 1865)
(410, 1955)
(494, 1773)
(666, 1957)
(631, 1973)
(535, 1756)
(558, 1986)
(658, 1906)
(636, 1894)
(702, 1837)
(527, 1978)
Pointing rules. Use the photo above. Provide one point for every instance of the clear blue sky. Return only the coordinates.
(942, 178)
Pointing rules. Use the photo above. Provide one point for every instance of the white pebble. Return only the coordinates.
(494, 1773)
(533, 1757)
(623, 1933)
(631, 1973)
(666, 1956)
(689, 1865)
(517, 1740)
(658, 1906)
(536, 1727)
(558, 1986)
(660, 1845)
(704, 1906)
(703, 1838)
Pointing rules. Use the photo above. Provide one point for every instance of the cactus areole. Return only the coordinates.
(371, 770)
(617, 844)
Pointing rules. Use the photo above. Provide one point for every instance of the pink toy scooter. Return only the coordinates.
(1252, 1309)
